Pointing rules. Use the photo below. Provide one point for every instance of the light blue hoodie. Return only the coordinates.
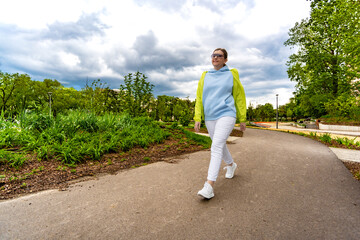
(217, 98)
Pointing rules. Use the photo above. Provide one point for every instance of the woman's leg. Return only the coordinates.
(226, 153)
(219, 131)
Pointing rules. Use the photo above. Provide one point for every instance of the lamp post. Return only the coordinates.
(277, 112)
(50, 102)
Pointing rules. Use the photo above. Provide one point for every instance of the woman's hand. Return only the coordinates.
(242, 127)
(197, 126)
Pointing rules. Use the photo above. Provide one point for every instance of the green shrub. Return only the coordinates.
(185, 118)
(88, 123)
(325, 138)
(44, 152)
(37, 122)
(11, 158)
(8, 137)
(78, 135)
(345, 107)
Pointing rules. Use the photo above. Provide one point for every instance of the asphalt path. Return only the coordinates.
(286, 187)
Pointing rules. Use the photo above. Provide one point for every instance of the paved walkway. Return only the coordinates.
(286, 187)
(342, 154)
(287, 126)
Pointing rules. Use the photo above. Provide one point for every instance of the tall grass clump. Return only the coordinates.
(35, 122)
(347, 142)
(12, 159)
(78, 135)
(9, 131)
(326, 138)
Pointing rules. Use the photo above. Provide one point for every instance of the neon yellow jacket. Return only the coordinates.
(238, 94)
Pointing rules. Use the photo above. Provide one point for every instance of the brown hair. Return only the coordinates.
(223, 50)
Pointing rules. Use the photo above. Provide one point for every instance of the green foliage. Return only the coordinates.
(175, 125)
(250, 112)
(344, 106)
(99, 98)
(164, 108)
(78, 136)
(185, 117)
(327, 59)
(11, 158)
(313, 134)
(199, 139)
(37, 122)
(347, 142)
(264, 112)
(9, 85)
(174, 109)
(325, 138)
(19, 94)
(135, 94)
(44, 152)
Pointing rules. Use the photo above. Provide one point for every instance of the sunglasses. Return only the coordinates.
(216, 55)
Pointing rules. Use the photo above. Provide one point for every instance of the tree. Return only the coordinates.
(99, 98)
(66, 98)
(327, 59)
(42, 98)
(250, 112)
(164, 108)
(8, 85)
(136, 94)
(268, 112)
(178, 109)
(182, 111)
(18, 93)
(290, 109)
(265, 112)
(22, 96)
(282, 112)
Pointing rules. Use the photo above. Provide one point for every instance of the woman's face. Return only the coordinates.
(218, 60)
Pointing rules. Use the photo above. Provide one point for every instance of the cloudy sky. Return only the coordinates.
(169, 41)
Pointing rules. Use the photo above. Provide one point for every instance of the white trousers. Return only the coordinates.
(219, 131)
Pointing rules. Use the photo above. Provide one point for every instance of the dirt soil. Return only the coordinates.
(335, 144)
(354, 168)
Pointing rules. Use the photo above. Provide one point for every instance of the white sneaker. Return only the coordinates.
(207, 191)
(230, 170)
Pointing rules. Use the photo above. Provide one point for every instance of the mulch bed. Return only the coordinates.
(354, 168)
(35, 176)
(338, 145)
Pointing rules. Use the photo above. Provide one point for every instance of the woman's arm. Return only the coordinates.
(199, 112)
(239, 97)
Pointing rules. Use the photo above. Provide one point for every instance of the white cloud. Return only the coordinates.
(168, 41)
(69, 59)
(36, 14)
(271, 17)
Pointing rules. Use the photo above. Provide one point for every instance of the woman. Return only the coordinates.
(220, 100)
